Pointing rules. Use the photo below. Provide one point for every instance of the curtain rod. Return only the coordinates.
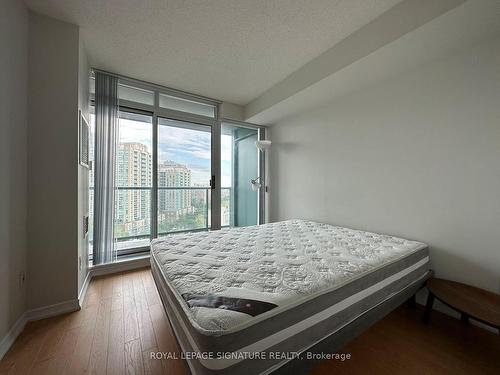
(154, 85)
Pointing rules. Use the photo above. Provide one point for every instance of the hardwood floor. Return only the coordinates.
(402, 344)
(123, 321)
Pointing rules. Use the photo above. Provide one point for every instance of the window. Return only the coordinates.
(135, 94)
(164, 167)
(184, 165)
(134, 169)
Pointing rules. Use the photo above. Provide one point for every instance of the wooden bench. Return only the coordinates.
(469, 301)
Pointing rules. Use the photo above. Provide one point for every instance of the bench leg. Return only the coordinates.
(428, 308)
(411, 302)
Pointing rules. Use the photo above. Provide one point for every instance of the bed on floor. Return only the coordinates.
(258, 299)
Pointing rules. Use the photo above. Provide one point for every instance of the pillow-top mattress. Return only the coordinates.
(280, 286)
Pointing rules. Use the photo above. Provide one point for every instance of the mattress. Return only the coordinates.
(247, 300)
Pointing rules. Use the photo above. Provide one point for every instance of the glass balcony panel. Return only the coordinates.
(132, 217)
(183, 209)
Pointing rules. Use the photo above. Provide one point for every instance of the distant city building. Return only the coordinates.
(133, 169)
(171, 174)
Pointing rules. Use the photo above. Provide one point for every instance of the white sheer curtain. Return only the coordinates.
(106, 130)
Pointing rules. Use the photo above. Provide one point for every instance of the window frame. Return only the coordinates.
(214, 123)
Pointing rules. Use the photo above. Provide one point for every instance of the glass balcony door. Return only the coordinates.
(240, 165)
(179, 167)
(184, 158)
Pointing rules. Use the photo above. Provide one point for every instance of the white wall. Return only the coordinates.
(52, 161)
(232, 111)
(13, 167)
(416, 156)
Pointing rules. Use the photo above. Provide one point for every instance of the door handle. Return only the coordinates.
(212, 182)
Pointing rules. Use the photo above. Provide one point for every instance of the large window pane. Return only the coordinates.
(185, 105)
(184, 160)
(239, 166)
(133, 180)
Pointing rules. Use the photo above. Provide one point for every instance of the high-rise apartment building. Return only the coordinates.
(133, 169)
(171, 174)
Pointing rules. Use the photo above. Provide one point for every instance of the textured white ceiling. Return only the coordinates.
(231, 50)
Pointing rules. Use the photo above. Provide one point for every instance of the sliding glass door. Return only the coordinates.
(178, 167)
(239, 168)
(184, 173)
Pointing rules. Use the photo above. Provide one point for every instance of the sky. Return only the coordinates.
(190, 147)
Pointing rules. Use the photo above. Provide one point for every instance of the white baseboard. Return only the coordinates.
(35, 314)
(83, 291)
(53, 310)
(11, 336)
(110, 268)
(70, 305)
(124, 265)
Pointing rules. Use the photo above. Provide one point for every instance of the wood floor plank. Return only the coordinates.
(107, 286)
(133, 358)
(118, 285)
(117, 302)
(99, 352)
(79, 363)
(152, 366)
(95, 287)
(67, 345)
(166, 341)
(116, 344)
(51, 366)
(82, 317)
(128, 284)
(152, 296)
(22, 357)
(130, 317)
(409, 347)
(146, 331)
(147, 279)
(92, 299)
(52, 341)
(139, 291)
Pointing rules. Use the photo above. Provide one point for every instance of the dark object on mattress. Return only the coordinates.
(247, 306)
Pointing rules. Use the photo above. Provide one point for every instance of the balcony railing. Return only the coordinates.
(179, 209)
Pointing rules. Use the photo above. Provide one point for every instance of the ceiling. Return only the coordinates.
(440, 33)
(440, 39)
(232, 50)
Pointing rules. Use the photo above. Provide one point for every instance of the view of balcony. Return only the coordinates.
(180, 209)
